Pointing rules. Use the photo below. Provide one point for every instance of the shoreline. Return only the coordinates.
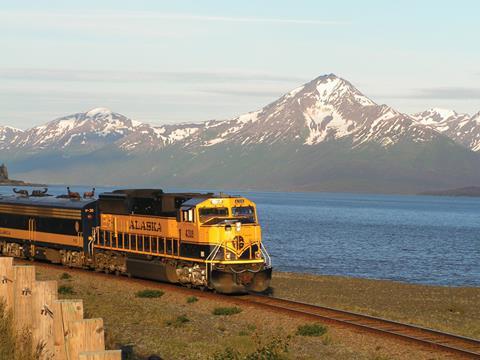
(21, 183)
(425, 194)
(351, 277)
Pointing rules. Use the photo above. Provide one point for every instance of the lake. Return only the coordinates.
(415, 239)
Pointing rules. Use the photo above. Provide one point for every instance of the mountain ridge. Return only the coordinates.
(322, 135)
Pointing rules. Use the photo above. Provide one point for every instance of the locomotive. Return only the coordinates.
(201, 240)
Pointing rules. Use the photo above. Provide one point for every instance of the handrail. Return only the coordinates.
(266, 255)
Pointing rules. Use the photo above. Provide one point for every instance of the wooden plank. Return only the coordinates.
(65, 312)
(84, 336)
(44, 296)
(6, 281)
(24, 278)
(101, 355)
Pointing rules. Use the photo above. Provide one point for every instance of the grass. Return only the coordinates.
(172, 328)
(327, 340)
(149, 294)
(178, 322)
(227, 311)
(311, 330)
(276, 349)
(249, 330)
(192, 299)
(65, 276)
(66, 290)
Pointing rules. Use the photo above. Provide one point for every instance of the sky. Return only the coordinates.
(189, 61)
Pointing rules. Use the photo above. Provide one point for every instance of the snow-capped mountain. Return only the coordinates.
(462, 128)
(87, 131)
(324, 135)
(327, 108)
(149, 138)
(93, 130)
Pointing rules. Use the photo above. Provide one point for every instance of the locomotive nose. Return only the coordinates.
(238, 227)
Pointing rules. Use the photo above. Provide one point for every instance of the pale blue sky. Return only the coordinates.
(171, 61)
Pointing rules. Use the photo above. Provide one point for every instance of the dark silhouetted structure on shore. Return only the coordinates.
(3, 172)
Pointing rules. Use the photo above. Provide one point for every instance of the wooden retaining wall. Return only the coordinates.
(56, 324)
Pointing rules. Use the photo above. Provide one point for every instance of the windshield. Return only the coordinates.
(246, 213)
(209, 213)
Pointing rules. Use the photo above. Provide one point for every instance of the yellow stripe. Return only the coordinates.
(69, 240)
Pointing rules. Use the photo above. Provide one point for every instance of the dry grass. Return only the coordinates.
(15, 346)
(173, 328)
(451, 309)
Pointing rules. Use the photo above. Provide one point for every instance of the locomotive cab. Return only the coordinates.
(229, 225)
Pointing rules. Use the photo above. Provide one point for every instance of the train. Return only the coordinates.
(200, 240)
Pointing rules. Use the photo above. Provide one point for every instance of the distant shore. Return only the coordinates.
(472, 191)
(19, 183)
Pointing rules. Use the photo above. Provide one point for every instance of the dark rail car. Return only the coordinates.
(47, 228)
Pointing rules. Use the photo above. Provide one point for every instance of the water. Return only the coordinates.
(416, 239)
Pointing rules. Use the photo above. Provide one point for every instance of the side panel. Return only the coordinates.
(32, 225)
(140, 225)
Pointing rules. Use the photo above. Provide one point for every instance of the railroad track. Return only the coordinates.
(462, 347)
(454, 344)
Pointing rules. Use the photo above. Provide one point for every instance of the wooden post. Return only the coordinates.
(64, 313)
(24, 278)
(85, 335)
(44, 295)
(101, 355)
(6, 282)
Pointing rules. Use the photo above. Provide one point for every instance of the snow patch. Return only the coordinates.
(214, 142)
(98, 111)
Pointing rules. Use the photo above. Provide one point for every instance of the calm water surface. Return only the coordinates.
(417, 239)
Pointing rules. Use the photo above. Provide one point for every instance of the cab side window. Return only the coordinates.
(188, 215)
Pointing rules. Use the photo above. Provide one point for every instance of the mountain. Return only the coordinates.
(8, 136)
(90, 131)
(462, 128)
(326, 109)
(324, 135)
